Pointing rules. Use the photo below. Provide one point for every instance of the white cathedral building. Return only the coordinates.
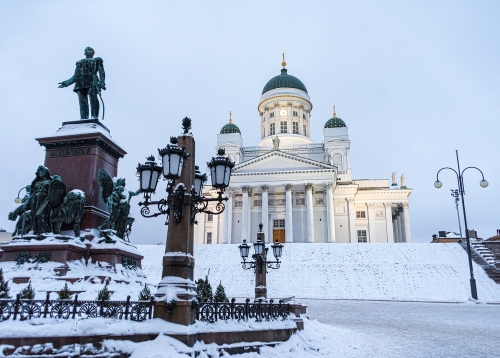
(299, 190)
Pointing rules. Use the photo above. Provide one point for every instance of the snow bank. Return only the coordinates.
(402, 272)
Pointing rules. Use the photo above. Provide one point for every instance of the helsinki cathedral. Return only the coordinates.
(299, 190)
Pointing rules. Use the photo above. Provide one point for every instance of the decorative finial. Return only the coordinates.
(334, 113)
(283, 63)
(230, 117)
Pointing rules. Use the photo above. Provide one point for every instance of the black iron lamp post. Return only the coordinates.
(260, 264)
(483, 183)
(184, 199)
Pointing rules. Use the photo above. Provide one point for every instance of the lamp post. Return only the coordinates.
(175, 299)
(260, 264)
(455, 194)
(461, 190)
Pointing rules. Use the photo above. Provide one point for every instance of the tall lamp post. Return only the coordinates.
(483, 183)
(175, 299)
(260, 264)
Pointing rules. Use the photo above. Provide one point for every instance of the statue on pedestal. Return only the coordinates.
(393, 175)
(276, 143)
(87, 84)
(118, 200)
(403, 181)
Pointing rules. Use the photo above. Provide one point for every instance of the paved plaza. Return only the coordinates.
(406, 329)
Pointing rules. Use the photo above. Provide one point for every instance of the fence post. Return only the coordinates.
(270, 312)
(126, 306)
(150, 313)
(101, 309)
(75, 303)
(16, 305)
(232, 307)
(246, 308)
(216, 305)
(259, 311)
(46, 309)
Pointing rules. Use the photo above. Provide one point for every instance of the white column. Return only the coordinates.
(288, 218)
(215, 228)
(225, 226)
(388, 222)
(201, 228)
(395, 229)
(229, 209)
(310, 212)
(406, 213)
(399, 226)
(371, 222)
(289, 119)
(330, 212)
(353, 237)
(265, 212)
(244, 214)
(250, 215)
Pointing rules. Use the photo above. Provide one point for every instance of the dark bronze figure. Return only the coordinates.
(23, 224)
(118, 200)
(69, 212)
(88, 84)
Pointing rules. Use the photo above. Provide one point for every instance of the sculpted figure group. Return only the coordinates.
(46, 206)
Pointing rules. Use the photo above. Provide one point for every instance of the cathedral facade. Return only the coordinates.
(299, 190)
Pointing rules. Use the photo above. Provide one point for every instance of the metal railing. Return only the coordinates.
(212, 312)
(66, 309)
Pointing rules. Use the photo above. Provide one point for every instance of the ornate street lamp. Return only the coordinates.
(220, 173)
(260, 264)
(461, 189)
(173, 158)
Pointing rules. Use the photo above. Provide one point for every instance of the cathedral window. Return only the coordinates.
(304, 116)
(295, 113)
(295, 127)
(279, 223)
(362, 235)
(272, 129)
(360, 214)
(209, 238)
(304, 129)
(337, 159)
(271, 115)
(210, 217)
(284, 128)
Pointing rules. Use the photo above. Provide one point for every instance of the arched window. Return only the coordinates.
(337, 160)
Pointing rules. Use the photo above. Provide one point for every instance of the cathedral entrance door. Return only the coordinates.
(279, 230)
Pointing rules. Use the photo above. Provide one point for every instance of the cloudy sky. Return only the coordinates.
(414, 81)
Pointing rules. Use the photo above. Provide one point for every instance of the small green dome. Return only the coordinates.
(335, 122)
(230, 128)
(284, 80)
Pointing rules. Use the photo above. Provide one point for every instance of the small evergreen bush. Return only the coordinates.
(104, 294)
(145, 294)
(28, 293)
(64, 293)
(4, 286)
(220, 294)
(204, 291)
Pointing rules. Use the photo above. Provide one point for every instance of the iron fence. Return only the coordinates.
(212, 312)
(65, 309)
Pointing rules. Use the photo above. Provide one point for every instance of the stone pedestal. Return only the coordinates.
(75, 152)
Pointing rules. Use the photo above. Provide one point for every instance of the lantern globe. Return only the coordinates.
(483, 183)
(438, 184)
(277, 249)
(199, 181)
(149, 174)
(173, 158)
(244, 249)
(258, 247)
(220, 170)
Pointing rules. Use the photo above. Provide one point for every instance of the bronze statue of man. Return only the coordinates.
(87, 84)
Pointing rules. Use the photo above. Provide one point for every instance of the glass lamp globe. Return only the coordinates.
(438, 184)
(483, 183)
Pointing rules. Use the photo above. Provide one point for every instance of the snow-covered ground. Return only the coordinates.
(399, 272)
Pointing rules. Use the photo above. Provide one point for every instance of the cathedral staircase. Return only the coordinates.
(483, 256)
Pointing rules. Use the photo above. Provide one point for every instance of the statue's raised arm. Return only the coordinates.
(89, 80)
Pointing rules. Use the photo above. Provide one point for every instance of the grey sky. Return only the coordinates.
(413, 81)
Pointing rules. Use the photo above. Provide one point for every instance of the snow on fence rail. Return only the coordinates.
(28, 309)
(212, 312)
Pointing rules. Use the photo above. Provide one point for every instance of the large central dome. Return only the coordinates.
(284, 81)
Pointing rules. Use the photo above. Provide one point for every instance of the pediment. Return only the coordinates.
(277, 161)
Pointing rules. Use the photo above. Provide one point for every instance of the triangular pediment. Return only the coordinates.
(277, 161)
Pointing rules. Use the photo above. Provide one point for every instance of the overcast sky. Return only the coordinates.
(413, 81)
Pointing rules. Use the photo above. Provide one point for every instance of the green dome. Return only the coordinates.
(284, 80)
(335, 122)
(230, 128)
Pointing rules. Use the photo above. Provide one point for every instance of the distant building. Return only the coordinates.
(5, 237)
(299, 190)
